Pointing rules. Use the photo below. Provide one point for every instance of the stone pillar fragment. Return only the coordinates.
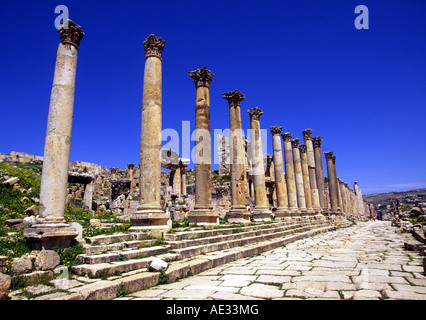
(310, 156)
(306, 177)
(298, 175)
(183, 168)
(332, 184)
(203, 213)
(261, 211)
(319, 173)
(238, 212)
(289, 172)
(130, 168)
(280, 184)
(50, 229)
(149, 216)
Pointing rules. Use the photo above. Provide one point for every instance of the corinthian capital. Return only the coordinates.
(295, 143)
(255, 113)
(317, 142)
(302, 148)
(307, 134)
(71, 35)
(328, 155)
(276, 130)
(286, 136)
(234, 98)
(202, 77)
(153, 46)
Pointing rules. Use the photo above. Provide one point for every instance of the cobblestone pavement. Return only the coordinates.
(364, 261)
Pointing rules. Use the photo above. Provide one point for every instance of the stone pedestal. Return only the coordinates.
(50, 229)
(261, 210)
(289, 173)
(149, 216)
(238, 212)
(280, 184)
(203, 213)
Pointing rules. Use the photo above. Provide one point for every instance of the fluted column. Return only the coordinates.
(238, 212)
(332, 183)
(280, 184)
(261, 211)
(50, 229)
(203, 213)
(301, 201)
(306, 177)
(289, 173)
(319, 172)
(149, 216)
(310, 156)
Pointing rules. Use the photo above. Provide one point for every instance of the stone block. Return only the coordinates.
(31, 211)
(5, 281)
(11, 181)
(22, 265)
(46, 260)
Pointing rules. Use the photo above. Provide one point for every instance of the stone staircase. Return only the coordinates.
(122, 260)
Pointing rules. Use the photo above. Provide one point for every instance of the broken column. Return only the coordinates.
(298, 176)
(280, 184)
(307, 137)
(203, 213)
(183, 168)
(289, 172)
(238, 212)
(319, 172)
(149, 216)
(332, 184)
(306, 181)
(261, 210)
(50, 230)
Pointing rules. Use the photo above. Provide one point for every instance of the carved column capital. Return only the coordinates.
(255, 113)
(276, 130)
(334, 159)
(234, 98)
(328, 155)
(295, 143)
(154, 46)
(286, 136)
(202, 76)
(307, 134)
(71, 35)
(317, 141)
(302, 148)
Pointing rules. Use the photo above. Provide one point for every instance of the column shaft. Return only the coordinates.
(307, 136)
(301, 201)
(332, 184)
(289, 172)
(319, 172)
(306, 178)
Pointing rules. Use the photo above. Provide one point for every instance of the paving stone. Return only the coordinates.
(262, 291)
(188, 294)
(271, 279)
(367, 295)
(212, 288)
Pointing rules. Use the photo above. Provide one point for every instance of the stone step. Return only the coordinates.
(96, 249)
(124, 254)
(242, 241)
(235, 235)
(116, 237)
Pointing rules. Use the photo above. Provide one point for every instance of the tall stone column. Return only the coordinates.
(306, 181)
(238, 212)
(50, 229)
(307, 137)
(261, 210)
(203, 213)
(289, 173)
(149, 216)
(183, 168)
(298, 175)
(339, 202)
(332, 184)
(280, 184)
(319, 172)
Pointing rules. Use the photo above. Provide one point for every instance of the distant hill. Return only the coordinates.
(404, 197)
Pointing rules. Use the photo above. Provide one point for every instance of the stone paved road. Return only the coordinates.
(364, 261)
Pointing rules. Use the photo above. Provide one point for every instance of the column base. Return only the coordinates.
(204, 217)
(238, 216)
(154, 222)
(44, 235)
(282, 213)
(262, 215)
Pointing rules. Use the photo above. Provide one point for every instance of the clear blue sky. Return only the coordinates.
(302, 62)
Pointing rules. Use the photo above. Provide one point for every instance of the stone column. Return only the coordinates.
(307, 137)
(183, 168)
(319, 172)
(176, 181)
(149, 216)
(238, 212)
(332, 183)
(261, 211)
(88, 194)
(289, 173)
(280, 184)
(113, 173)
(298, 175)
(306, 181)
(339, 202)
(50, 229)
(203, 213)
(130, 167)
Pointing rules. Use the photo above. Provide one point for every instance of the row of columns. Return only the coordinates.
(299, 190)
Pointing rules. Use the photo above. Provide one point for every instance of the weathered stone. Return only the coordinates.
(46, 260)
(158, 264)
(11, 181)
(78, 227)
(5, 281)
(31, 211)
(95, 223)
(413, 246)
(22, 265)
